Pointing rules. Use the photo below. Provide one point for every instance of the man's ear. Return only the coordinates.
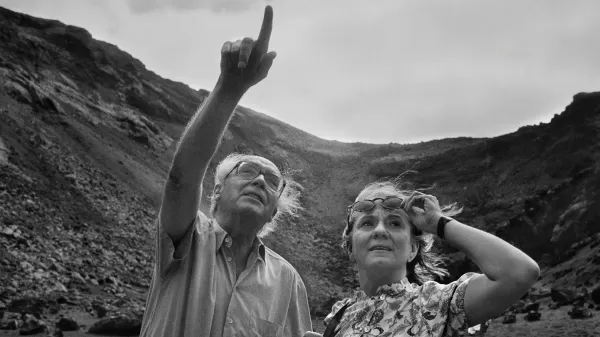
(217, 191)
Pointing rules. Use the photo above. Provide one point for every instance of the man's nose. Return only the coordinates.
(259, 180)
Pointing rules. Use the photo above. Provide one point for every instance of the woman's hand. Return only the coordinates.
(424, 211)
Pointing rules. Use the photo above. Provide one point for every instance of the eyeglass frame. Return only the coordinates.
(350, 207)
(260, 171)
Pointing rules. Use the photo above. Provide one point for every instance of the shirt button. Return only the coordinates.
(228, 259)
(227, 239)
(230, 321)
(382, 297)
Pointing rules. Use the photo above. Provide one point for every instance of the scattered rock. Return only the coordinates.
(596, 295)
(99, 309)
(579, 312)
(553, 306)
(533, 316)
(31, 306)
(564, 296)
(535, 306)
(140, 137)
(32, 325)
(119, 325)
(479, 329)
(509, 318)
(517, 308)
(18, 91)
(67, 324)
(4, 153)
(29, 205)
(539, 293)
(10, 324)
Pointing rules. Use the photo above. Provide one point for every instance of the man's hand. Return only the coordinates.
(246, 62)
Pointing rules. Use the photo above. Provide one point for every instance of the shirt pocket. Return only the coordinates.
(264, 328)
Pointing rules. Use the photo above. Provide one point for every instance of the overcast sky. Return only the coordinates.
(374, 71)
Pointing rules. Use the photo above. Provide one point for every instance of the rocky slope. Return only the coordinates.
(87, 134)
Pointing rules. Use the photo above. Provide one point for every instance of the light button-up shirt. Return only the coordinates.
(195, 291)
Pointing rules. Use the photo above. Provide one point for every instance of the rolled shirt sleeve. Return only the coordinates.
(167, 253)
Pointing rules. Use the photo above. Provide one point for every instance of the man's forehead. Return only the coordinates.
(265, 163)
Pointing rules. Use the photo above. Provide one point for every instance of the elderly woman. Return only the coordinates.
(389, 236)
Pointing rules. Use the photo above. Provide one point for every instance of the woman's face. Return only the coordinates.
(381, 238)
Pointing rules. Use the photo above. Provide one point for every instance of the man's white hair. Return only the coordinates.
(287, 204)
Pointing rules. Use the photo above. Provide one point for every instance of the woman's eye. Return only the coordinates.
(395, 224)
(366, 223)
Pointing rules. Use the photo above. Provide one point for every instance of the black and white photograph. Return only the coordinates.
(287, 168)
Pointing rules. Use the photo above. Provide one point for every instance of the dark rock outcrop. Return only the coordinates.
(121, 325)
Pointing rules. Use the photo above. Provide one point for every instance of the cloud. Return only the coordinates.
(401, 71)
(217, 6)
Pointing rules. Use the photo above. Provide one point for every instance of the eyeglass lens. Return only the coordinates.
(251, 171)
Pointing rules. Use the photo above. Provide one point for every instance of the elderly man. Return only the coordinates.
(213, 275)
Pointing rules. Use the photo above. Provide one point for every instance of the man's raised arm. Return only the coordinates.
(244, 63)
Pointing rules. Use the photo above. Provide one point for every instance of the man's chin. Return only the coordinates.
(253, 210)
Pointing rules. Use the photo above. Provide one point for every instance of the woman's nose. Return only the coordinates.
(380, 229)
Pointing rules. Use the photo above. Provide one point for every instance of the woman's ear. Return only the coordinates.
(414, 250)
(350, 253)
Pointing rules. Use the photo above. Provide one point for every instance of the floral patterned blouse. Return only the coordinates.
(405, 309)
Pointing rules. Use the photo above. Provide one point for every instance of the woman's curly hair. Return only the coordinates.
(426, 265)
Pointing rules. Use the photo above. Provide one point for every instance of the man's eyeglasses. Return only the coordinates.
(249, 171)
(390, 203)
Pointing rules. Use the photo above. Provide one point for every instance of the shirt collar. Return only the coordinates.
(392, 290)
(222, 238)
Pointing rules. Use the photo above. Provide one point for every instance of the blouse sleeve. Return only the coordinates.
(444, 304)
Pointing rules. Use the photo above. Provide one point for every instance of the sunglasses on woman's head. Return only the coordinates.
(367, 205)
(249, 171)
(390, 203)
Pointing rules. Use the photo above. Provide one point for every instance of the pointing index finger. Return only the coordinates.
(262, 42)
